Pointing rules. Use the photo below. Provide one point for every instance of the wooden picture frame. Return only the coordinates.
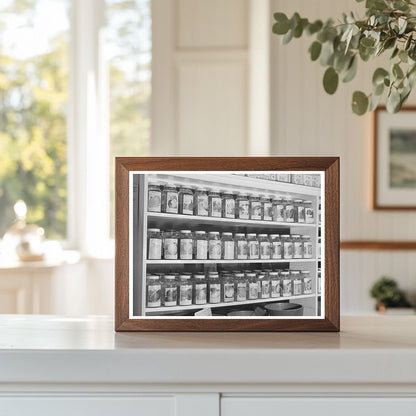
(130, 240)
(390, 191)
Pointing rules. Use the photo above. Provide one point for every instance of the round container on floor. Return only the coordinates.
(240, 313)
(284, 309)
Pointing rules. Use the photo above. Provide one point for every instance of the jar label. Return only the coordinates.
(288, 250)
(253, 290)
(171, 296)
(276, 249)
(243, 210)
(185, 295)
(307, 250)
(155, 248)
(214, 293)
(202, 205)
(278, 214)
(187, 204)
(301, 213)
(154, 201)
(171, 248)
(172, 202)
(229, 208)
(265, 289)
(289, 213)
(297, 287)
(186, 249)
(214, 249)
(241, 291)
(319, 285)
(264, 250)
(153, 296)
(201, 249)
(253, 248)
(200, 293)
(307, 282)
(286, 287)
(267, 211)
(228, 292)
(309, 215)
(241, 249)
(216, 210)
(229, 250)
(256, 210)
(297, 250)
(275, 286)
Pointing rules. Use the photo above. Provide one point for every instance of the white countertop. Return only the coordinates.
(52, 349)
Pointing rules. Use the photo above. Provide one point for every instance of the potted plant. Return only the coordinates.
(389, 27)
(387, 294)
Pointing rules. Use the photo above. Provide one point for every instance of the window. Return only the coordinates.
(33, 102)
(75, 87)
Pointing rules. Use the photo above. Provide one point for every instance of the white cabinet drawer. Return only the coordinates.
(272, 406)
(88, 406)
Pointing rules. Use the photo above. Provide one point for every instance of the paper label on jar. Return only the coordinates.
(171, 248)
(309, 215)
(301, 213)
(287, 287)
(307, 250)
(171, 296)
(308, 285)
(264, 250)
(187, 204)
(200, 294)
(202, 205)
(241, 250)
(241, 291)
(297, 287)
(253, 290)
(253, 249)
(278, 213)
(155, 248)
(229, 208)
(228, 292)
(214, 249)
(153, 296)
(216, 207)
(289, 213)
(265, 289)
(186, 249)
(319, 285)
(275, 285)
(229, 250)
(172, 202)
(256, 210)
(185, 295)
(154, 201)
(297, 250)
(288, 250)
(276, 250)
(243, 210)
(267, 211)
(214, 293)
(201, 249)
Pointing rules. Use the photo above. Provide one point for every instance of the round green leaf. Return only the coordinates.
(315, 50)
(330, 80)
(379, 75)
(393, 101)
(359, 103)
(281, 27)
(351, 71)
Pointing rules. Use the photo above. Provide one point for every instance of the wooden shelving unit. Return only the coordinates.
(224, 182)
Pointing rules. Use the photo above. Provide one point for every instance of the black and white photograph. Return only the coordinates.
(232, 244)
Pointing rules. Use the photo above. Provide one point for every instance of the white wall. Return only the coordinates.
(308, 122)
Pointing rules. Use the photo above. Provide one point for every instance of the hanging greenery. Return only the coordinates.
(389, 27)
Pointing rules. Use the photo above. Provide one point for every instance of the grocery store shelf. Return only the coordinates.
(222, 304)
(162, 216)
(249, 261)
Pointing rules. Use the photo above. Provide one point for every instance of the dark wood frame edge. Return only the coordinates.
(375, 205)
(377, 245)
(331, 322)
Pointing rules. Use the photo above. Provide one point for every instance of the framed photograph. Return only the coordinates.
(227, 244)
(394, 179)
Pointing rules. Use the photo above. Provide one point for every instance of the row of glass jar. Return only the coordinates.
(202, 202)
(313, 180)
(239, 286)
(202, 245)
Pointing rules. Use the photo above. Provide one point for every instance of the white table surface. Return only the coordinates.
(53, 349)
